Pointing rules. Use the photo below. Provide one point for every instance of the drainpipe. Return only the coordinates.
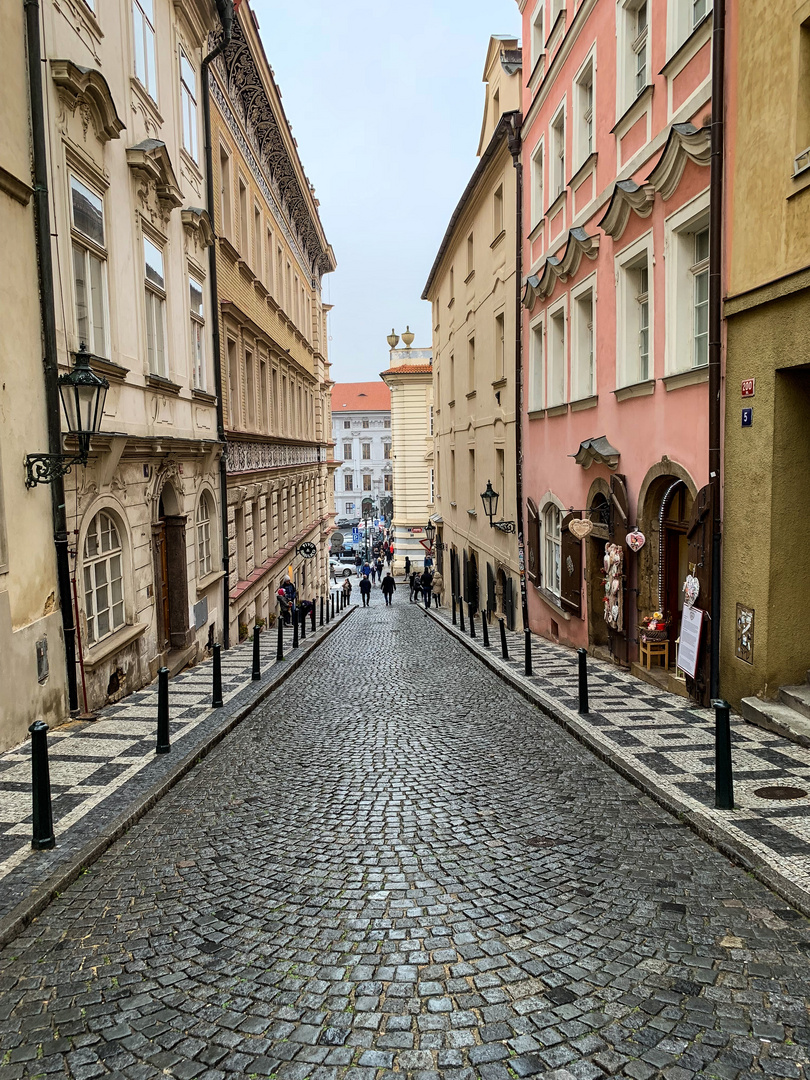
(226, 14)
(513, 136)
(42, 220)
(716, 328)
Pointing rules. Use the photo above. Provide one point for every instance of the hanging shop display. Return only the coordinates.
(614, 602)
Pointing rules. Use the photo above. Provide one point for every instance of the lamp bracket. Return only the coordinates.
(503, 526)
(45, 468)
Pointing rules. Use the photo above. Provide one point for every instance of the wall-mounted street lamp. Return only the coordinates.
(490, 500)
(83, 394)
(430, 533)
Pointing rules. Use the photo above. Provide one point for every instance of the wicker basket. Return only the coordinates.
(654, 635)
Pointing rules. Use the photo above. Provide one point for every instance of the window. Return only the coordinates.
(250, 389)
(155, 292)
(556, 359)
(683, 17)
(144, 25)
(584, 114)
(89, 267)
(537, 185)
(197, 332)
(700, 299)
(233, 383)
(639, 47)
(700, 9)
(430, 420)
(387, 486)
(472, 492)
(365, 422)
(500, 356)
(432, 486)
(387, 451)
(583, 372)
(452, 378)
(643, 318)
(257, 241)
(366, 450)
(347, 425)
(103, 578)
(536, 373)
(243, 220)
(188, 104)
(348, 482)
(366, 482)
(225, 191)
(470, 255)
(537, 33)
(387, 423)
(263, 402)
(471, 365)
(204, 565)
(558, 153)
(497, 212)
(452, 286)
(634, 314)
(551, 531)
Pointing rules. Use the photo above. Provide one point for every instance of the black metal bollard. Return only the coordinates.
(723, 778)
(333, 605)
(321, 623)
(295, 630)
(461, 615)
(42, 834)
(582, 660)
(280, 640)
(303, 617)
(527, 651)
(485, 628)
(328, 603)
(216, 697)
(504, 648)
(257, 653)
(471, 614)
(312, 617)
(454, 609)
(163, 743)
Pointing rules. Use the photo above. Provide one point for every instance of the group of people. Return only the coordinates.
(290, 606)
(426, 586)
(368, 574)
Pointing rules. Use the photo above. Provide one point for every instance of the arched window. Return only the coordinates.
(551, 530)
(204, 536)
(103, 578)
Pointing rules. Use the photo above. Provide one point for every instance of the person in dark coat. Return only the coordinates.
(387, 587)
(407, 566)
(416, 585)
(426, 581)
(365, 590)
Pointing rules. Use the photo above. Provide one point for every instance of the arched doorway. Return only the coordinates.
(171, 572)
(598, 631)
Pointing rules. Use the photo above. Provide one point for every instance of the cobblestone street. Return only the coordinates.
(398, 865)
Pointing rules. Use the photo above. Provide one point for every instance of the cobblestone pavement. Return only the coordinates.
(100, 769)
(668, 743)
(398, 867)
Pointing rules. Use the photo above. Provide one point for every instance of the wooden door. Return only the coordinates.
(570, 567)
(699, 537)
(618, 526)
(163, 583)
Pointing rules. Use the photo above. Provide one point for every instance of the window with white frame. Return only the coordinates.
(558, 153)
(556, 7)
(204, 564)
(188, 102)
(366, 481)
(687, 285)
(103, 578)
(89, 267)
(536, 367)
(639, 46)
(684, 17)
(197, 311)
(634, 314)
(366, 451)
(497, 212)
(155, 296)
(348, 482)
(430, 420)
(552, 520)
(583, 361)
(555, 390)
(143, 17)
(432, 486)
(538, 38)
(642, 279)
(347, 451)
(633, 33)
(537, 182)
(584, 114)
(387, 451)
(699, 271)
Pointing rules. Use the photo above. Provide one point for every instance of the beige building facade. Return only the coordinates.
(32, 659)
(126, 162)
(271, 257)
(410, 379)
(471, 289)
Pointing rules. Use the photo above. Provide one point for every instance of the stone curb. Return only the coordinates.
(12, 924)
(710, 831)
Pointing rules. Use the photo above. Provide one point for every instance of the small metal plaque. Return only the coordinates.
(747, 417)
(201, 613)
(43, 667)
(748, 387)
(744, 647)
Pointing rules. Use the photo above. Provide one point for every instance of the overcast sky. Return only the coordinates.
(385, 101)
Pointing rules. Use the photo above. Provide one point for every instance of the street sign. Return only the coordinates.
(748, 387)
(336, 540)
(355, 536)
(426, 544)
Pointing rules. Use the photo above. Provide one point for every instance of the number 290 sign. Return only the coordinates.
(748, 387)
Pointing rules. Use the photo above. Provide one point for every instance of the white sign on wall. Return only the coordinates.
(689, 648)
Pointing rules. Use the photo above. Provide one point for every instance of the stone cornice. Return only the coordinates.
(561, 268)
(627, 195)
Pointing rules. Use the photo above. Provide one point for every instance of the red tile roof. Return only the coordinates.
(360, 397)
(409, 369)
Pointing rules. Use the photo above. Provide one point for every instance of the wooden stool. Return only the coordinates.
(654, 649)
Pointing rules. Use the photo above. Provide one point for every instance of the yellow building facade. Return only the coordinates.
(766, 561)
(471, 289)
(271, 256)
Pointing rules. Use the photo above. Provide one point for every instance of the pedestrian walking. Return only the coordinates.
(283, 605)
(379, 570)
(415, 587)
(387, 587)
(365, 570)
(426, 580)
(373, 573)
(365, 590)
(347, 589)
(407, 566)
(436, 588)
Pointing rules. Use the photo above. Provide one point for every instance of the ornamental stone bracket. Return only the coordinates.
(197, 225)
(152, 166)
(251, 456)
(684, 143)
(86, 89)
(627, 195)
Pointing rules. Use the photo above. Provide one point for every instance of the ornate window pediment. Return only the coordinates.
(86, 89)
(684, 143)
(556, 269)
(627, 195)
(596, 451)
(197, 224)
(150, 162)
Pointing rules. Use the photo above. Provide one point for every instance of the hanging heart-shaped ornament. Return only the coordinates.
(580, 527)
(636, 540)
(691, 590)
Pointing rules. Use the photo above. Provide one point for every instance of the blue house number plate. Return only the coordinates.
(747, 417)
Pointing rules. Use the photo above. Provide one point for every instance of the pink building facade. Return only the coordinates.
(617, 114)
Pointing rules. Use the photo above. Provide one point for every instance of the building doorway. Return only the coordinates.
(598, 631)
(171, 573)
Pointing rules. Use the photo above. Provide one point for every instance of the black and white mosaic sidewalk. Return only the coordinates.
(667, 745)
(100, 769)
